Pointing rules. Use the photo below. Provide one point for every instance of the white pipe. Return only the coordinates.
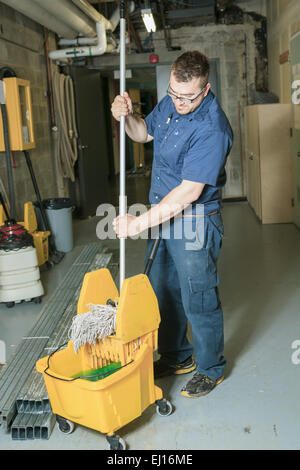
(92, 13)
(111, 48)
(99, 49)
(115, 19)
(111, 45)
(69, 14)
(78, 42)
(83, 41)
(37, 13)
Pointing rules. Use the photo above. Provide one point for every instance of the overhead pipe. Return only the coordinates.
(110, 25)
(92, 13)
(67, 18)
(115, 19)
(67, 12)
(80, 41)
(36, 12)
(87, 51)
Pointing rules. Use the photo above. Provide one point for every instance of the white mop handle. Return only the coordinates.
(122, 195)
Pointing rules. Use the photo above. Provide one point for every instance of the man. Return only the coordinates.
(192, 140)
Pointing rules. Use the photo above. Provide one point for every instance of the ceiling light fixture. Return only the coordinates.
(148, 19)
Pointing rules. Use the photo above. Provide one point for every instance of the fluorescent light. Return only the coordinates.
(148, 20)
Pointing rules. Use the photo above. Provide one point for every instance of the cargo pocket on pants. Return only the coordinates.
(203, 300)
(206, 316)
(203, 282)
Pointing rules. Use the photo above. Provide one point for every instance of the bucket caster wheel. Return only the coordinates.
(10, 304)
(164, 407)
(37, 300)
(64, 425)
(116, 442)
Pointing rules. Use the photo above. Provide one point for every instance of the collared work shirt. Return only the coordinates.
(190, 147)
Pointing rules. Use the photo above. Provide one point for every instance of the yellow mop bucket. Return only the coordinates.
(124, 393)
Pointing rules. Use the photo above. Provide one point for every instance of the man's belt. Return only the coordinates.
(202, 215)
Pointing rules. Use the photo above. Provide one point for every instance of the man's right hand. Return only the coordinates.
(121, 106)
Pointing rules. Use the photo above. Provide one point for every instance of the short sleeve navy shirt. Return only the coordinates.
(190, 147)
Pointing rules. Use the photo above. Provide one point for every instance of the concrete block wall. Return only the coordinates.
(22, 49)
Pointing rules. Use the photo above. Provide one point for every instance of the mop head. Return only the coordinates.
(97, 323)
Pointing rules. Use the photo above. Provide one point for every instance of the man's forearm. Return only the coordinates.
(170, 206)
(136, 128)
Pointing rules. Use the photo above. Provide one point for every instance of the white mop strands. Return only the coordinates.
(97, 323)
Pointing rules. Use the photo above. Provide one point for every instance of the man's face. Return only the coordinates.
(187, 90)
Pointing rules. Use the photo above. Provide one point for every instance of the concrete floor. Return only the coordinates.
(257, 406)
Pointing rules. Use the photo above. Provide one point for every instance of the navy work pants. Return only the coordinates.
(185, 280)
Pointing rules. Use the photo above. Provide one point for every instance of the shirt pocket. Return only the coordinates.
(173, 146)
(161, 130)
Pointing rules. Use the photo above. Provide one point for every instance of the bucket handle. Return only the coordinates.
(81, 376)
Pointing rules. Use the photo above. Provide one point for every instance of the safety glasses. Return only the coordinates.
(184, 100)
